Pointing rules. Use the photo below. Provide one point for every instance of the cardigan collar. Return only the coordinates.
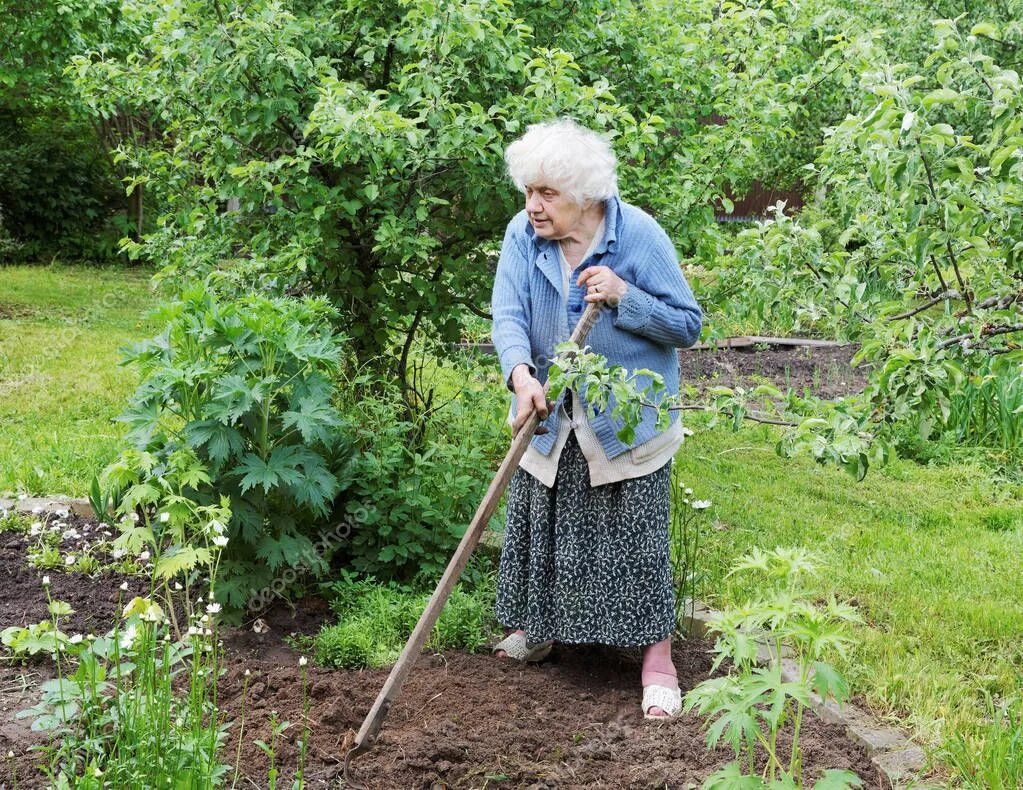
(548, 259)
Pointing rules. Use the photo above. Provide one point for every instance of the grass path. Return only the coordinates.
(60, 386)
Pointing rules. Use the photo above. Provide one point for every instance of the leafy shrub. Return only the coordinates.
(235, 400)
(375, 620)
(57, 187)
(411, 504)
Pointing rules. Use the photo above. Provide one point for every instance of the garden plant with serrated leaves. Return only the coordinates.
(750, 705)
(235, 401)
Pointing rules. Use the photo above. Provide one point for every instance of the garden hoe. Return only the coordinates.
(367, 734)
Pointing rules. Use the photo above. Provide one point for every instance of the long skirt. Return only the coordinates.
(587, 565)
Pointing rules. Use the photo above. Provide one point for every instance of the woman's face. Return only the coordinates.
(552, 214)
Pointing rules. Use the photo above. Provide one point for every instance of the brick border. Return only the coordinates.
(894, 755)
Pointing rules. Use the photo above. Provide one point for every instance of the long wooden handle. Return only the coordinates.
(375, 718)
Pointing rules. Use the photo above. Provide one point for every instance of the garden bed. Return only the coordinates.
(462, 720)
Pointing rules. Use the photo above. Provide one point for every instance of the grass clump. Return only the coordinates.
(375, 621)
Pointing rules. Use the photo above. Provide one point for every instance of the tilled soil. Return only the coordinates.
(822, 371)
(462, 720)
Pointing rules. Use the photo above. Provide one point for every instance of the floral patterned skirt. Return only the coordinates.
(587, 565)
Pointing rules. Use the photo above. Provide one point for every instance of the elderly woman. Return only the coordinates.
(586, 555)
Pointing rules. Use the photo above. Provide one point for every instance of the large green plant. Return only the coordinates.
(235, 400)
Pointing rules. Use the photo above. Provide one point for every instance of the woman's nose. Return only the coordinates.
(533, 203)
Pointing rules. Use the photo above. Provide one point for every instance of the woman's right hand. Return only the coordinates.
(530, 397)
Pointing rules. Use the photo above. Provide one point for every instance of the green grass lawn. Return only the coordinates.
(930, 557)
(60, 386)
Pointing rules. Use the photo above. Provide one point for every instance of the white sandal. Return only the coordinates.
(668, 700)
(516, 646)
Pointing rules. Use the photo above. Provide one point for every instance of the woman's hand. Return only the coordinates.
(530, 397)
(602, 285)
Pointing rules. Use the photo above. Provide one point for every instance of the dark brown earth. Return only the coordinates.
(462, 720)
(824, 372)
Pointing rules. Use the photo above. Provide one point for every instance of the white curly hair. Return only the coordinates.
(564, 155)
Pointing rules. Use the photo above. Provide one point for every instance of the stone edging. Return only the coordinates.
(48, 504)
(893, 754)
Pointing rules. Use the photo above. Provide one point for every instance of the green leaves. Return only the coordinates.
(237, 397)
(751, 704)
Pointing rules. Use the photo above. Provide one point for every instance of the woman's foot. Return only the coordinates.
(658, 670)
(517, 647)
(501, 653)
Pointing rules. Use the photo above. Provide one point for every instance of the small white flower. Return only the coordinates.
(204, 619)
(46, 581)
(220, 540)
(216, 527)
(77, 638)
(69, 559)
(303, 661)
(10, 755)
(179, 722)
(128, 637)
(117, 553)
(144, 555)
(166, 637)
(192, 630)
(689, 492)
(134, 517)
(247, 673)
(164, 517)
(124, 586)
(701, 504)
(907, 121)
(178, 587)
(213, 608)
(208, 632)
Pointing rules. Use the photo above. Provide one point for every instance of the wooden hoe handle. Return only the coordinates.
(375, 718)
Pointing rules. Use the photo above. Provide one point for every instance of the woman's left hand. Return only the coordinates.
(602, 285)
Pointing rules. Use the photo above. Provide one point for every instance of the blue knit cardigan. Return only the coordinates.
(657, 314)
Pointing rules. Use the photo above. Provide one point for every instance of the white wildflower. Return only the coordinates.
(220, 540)
(193, 631)
(69, 559)
(213, 608)
(303, 661)
(247, 673)
(216, 527)
(10, 755)
(144, 555)
(701, 504)
(76, 639)
(208, 632)
(46, 581)
(688, 492)
(164, 517)
(123, 587)
(128, 636)
(117, 553)
(178, 587)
